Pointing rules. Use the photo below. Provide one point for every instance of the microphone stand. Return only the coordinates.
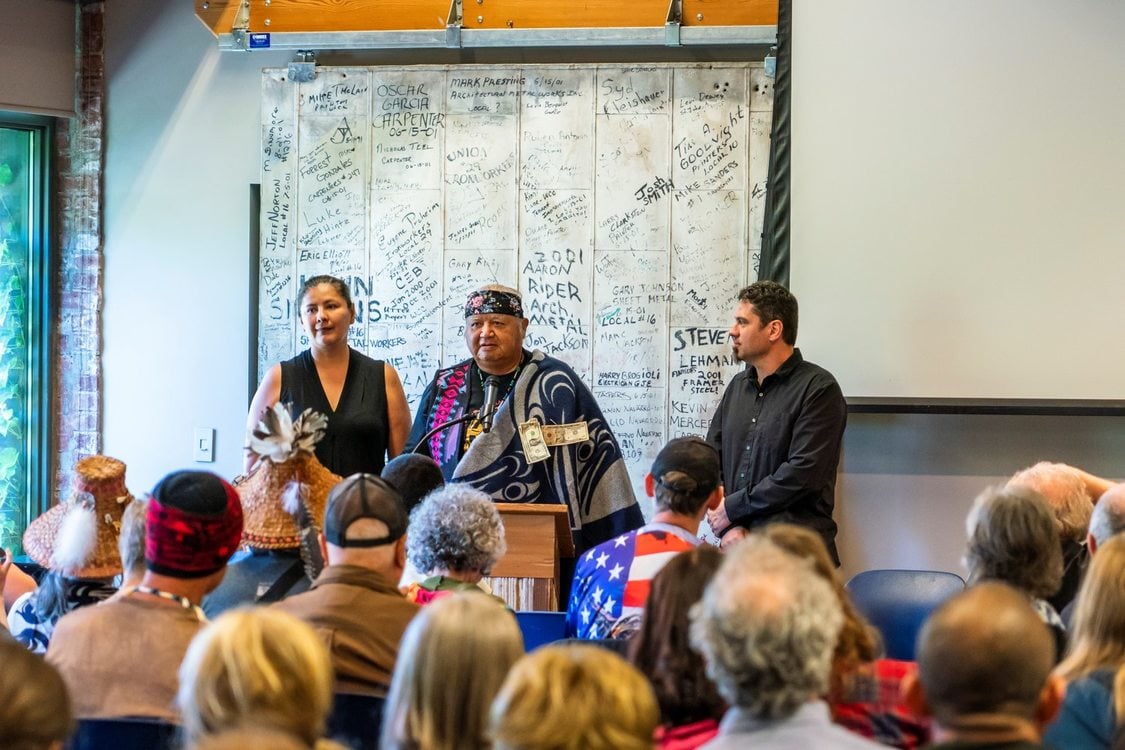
(444, 425)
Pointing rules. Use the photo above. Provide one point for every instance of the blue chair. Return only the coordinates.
(356, 720)
(541, 627)
(897, 602)
(125, 734)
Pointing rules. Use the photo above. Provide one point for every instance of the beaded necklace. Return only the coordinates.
(183, 601)
(511, 383)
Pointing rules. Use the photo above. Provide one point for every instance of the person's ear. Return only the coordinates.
(323, 544)
(650, 485)
(1050, 700)
(524, 323)
(716, 498)
(913, 696)
(1091, 544)
(400, 552)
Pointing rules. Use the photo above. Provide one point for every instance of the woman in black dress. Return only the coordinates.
(363, 398)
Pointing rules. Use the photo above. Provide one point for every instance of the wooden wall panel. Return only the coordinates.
(521, 14)
(730, 12)
(277, 16)
(217, 15)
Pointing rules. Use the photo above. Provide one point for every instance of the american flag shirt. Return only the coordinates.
(612, 580)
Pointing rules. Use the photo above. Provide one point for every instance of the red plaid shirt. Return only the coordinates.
(871, 705)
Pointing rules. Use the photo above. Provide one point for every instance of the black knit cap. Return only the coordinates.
(193, 524)
(693, 456)
(414, 476)
(363, 496)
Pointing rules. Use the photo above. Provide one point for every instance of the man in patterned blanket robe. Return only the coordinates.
(588, 475)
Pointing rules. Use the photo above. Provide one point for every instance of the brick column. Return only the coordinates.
(77, 361)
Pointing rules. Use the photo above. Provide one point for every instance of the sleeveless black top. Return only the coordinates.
(356, 438)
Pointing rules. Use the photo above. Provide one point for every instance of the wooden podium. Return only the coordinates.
(538, 537)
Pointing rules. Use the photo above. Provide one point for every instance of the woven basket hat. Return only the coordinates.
(287, 475)
(78, 537)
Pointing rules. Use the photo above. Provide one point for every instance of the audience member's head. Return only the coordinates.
(77, 539)
(250, 737)
(131, 543)
(1065, 492)
(456, 532)
(686, 477)
(859, 641)
(1097, 636)
(1107, 518)
(573, 697)
(35, 712)
(414, 476)
(452, 660)
(661, 649)
(365, 525)
(256, 667)
(1013, 538)
(767, 626)
(984, 662)
(193, 525)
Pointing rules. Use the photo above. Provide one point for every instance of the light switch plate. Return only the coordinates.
(203, 447)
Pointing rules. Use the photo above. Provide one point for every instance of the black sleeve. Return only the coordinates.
(421, 419)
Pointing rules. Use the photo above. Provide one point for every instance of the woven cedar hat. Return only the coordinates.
(78, 537)
(287, 475)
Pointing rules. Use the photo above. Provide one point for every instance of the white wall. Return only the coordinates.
(182, 151)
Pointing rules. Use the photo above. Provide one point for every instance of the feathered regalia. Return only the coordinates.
(285, 494)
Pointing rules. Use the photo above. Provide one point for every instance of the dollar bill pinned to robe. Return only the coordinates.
(590, 477)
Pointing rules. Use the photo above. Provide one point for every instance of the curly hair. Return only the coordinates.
(1013, 538)
(859, 642)
(456, 528)
(661, 649)
(767, 626)
(772, 301)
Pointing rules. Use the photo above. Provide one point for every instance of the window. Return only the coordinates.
(24, 326)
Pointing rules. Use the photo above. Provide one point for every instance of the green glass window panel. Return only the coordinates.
(17, 171)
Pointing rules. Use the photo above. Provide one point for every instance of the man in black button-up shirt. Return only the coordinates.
(780, 424)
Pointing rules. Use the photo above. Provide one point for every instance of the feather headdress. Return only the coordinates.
(287, 478)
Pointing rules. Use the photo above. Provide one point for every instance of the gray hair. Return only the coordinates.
(1108, 518)
(1012, 538)
(455, 527)
(131, 542)
(767, 626)
(1065, 492)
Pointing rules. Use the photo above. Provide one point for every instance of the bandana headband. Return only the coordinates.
(493, 302)
(188, 545)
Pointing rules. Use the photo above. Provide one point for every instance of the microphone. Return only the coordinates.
(488, 409)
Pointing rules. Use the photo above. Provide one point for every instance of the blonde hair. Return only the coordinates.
(256, 667)
(1097, 638)
(453, 658)
(574, 697)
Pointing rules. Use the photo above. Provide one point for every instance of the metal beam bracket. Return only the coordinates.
(303, 69)
(453, 21)
(672, 25)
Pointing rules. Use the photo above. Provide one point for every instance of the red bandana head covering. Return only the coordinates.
(193, 525)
